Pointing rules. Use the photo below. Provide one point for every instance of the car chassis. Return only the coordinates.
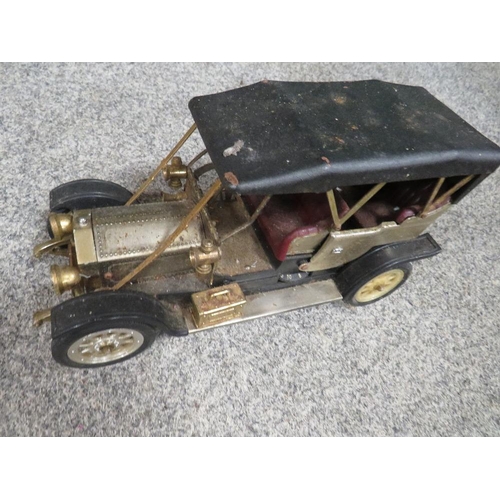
(323, 192)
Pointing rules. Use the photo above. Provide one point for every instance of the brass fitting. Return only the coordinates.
(202, 258)
(174, 172)
(64, 278)
(180, 195)
(61, 225)
(41, 316)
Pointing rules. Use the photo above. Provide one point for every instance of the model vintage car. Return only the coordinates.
(322, 192)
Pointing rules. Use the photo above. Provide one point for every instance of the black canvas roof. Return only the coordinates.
(287, 137)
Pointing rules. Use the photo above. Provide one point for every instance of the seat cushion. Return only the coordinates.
(287, 217)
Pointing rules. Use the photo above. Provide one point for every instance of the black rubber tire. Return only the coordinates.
(63, 343)
(86, 193)
(90, 313)
(353, 288)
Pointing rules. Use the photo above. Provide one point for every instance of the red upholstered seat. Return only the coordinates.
(373, 213)
(407, 212)
(287, 217)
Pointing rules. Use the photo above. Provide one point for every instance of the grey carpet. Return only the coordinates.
(425, 362)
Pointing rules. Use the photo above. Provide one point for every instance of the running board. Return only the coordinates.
(276, 302)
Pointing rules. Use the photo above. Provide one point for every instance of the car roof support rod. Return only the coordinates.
(162, 165)
(214, 188)
(432, 197)
(333, 208)
(250, 221)
(451, 191)
(197, 157)
(333, 205)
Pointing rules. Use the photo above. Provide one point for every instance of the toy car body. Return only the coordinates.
(323, 192)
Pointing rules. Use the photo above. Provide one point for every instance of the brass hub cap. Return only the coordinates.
(380, 285)
(105, 346)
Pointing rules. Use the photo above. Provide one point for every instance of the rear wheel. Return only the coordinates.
(103, 328)
(374, 286)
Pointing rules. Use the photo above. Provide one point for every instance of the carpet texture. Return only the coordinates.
(424, 362)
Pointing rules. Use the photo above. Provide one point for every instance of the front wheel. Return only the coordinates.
(103, 345)
(103, 328)
(377, 285)
(84, 194)
(87, 193)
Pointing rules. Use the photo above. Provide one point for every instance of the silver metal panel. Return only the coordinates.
(277, 302)
(344, 246)
(84, 238)
(165, 265)
(307, 244)
(137, 230)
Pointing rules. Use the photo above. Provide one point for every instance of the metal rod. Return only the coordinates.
(373, 191)
(250, 221)
(196, 158)
(433, 195)
(333, 208)
(203, 170)
(50, 246)
(41, 317)
(212, 274)
(435, 191)
(454, 189)
(171, 238)
(162, 165)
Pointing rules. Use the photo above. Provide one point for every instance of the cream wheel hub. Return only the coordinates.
(380, 285)
(105, 346)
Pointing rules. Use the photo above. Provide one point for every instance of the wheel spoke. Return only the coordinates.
(380, 285)
(87, 344)
(105, 345)
(124, 335)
